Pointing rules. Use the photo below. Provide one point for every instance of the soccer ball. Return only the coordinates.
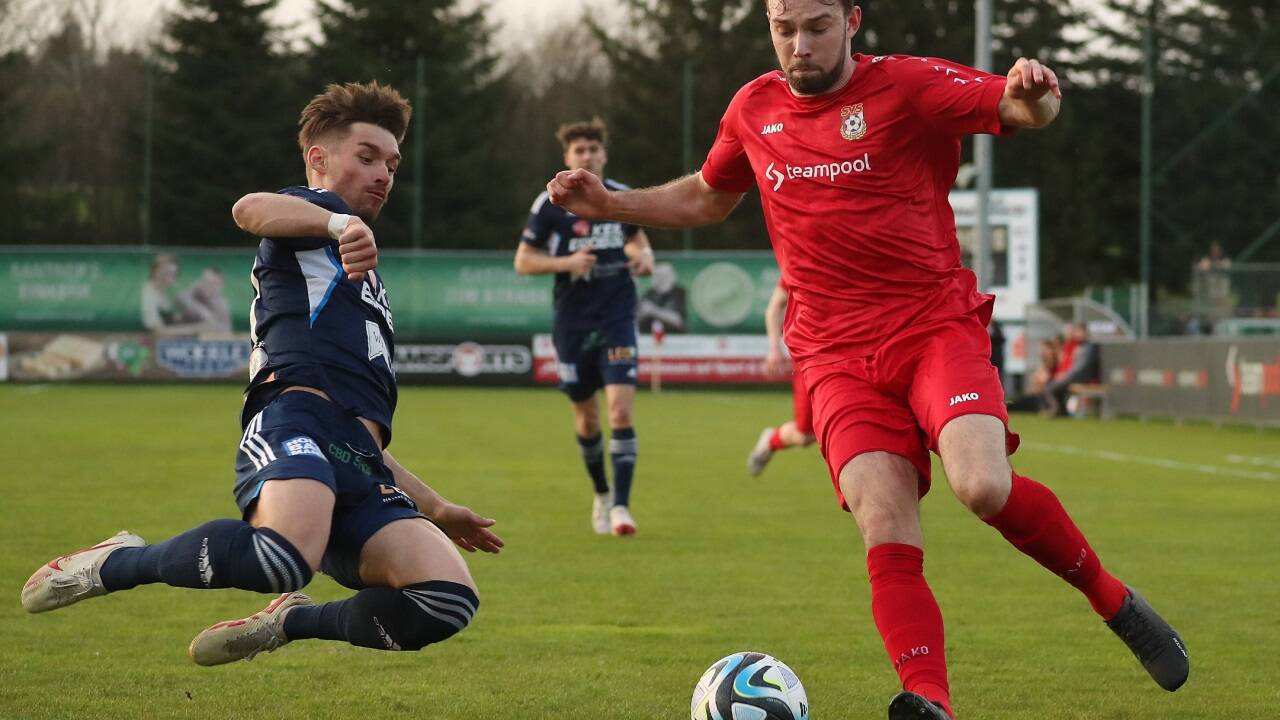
(749, 686)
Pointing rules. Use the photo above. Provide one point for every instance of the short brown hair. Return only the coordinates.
(334, 110)
(594, 129)
(846, 4)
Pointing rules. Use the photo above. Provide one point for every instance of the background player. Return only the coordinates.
(887, 327)
(314, 482)
(798, 431)
(594, 328)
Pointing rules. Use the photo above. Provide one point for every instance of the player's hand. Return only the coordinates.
(581, 263)
(580, 192)
(1029, 81)
(641, 264)
(468, 530)
(357, 249)
(776, 363)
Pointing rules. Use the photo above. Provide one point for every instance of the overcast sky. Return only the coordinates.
(518, 18)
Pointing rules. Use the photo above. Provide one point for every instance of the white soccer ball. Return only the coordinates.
(749, 686)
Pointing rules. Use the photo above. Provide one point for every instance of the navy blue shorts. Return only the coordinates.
(301, 435)
(591, 359)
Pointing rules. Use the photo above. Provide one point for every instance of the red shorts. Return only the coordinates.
(802, 410)
(898, 399)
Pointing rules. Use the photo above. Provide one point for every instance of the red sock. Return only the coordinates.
(775, 440)
(1034, 521)
(908, 619)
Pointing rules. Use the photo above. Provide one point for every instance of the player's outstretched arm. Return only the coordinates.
(685, 202)
(1032, 96)
(532, 261)
(467, 529)
(283, 216)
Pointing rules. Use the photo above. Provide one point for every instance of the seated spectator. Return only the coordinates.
(1080, 362)
(1030, 400)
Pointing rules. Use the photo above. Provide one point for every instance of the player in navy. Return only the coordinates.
(316, 488)
(595, 320)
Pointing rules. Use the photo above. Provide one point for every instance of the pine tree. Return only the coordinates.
(469, 199)
(226, 113)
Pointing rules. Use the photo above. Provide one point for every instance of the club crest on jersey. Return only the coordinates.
(853, 124)
(582, 228)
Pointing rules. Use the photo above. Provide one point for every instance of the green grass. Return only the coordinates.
(577, 626)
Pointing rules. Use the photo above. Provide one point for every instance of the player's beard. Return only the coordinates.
(819, 83)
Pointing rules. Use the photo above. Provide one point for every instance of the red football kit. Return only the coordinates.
(885, 324)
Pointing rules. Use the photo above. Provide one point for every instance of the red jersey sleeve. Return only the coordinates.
(953, 98)
(727, 167)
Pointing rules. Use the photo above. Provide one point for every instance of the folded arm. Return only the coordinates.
(283, 216)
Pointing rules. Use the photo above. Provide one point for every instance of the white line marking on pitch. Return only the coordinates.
(1202, 468)
(1254, 460)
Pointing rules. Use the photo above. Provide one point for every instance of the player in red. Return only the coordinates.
(854, 156)
(797, 432)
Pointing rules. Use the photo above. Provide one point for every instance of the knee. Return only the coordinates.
(881, 523)
(808, 440)
(983, 490)
(619, 417)
(436, 611)
(587, 426)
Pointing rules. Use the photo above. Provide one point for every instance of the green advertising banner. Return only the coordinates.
(475, 296)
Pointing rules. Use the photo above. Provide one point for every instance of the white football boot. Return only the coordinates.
(620, 522)
(761, 453)
(73, 577)
(600, 513)
(234, 640)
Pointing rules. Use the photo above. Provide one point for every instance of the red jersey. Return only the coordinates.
(854, 186)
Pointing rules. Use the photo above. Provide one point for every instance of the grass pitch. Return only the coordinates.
(573, 625)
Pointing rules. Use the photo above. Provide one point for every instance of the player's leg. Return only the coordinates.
(880, 469)
(797, 432)
(586, 424)
(579, 381)
(623, 451)
(882, 491)
(618, 364)
(277, 552)
(960, 401)
(418, 592)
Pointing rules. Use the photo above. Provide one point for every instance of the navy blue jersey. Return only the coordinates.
(605, 296)
(312, 326)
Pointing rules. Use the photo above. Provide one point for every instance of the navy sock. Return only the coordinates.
(388, 619)
(622, 451)
(593, 456)
(219, 554)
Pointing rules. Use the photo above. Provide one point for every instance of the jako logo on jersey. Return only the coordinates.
(771, 128)
(964, 397)
(825, 170)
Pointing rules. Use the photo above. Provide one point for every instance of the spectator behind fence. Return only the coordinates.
(1079, 362)
(1213, 284)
